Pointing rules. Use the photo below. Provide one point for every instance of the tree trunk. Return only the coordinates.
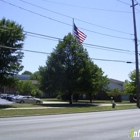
(70, 97)
(76, 96)
(90, 97)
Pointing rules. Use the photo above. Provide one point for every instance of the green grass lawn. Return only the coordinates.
(55, 109)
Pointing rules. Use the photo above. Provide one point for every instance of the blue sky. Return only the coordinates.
(110, 14)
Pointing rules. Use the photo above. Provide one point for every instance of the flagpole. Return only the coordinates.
(73, 27)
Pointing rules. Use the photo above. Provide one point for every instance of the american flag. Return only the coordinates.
(79, 35)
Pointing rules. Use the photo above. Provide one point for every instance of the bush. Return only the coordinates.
(59, 97)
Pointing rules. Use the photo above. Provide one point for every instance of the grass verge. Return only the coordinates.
(61, 110)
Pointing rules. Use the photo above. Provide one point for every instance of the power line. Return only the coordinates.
(45, 9)
(113, 60)
(106, 49)
(128, 4)
(41, 37)
(102, 27)
(64, 22)
(35, 13)
(138, 5)
(7, 47)
(123, 2)
(87, 7)
(130, 53)
(93, 47)
(106, 34)
(74, 18)
(86, 44)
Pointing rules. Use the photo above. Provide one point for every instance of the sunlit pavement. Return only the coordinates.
(5, 102)
(45, 102)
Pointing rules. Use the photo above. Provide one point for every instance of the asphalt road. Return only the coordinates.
(108, 125)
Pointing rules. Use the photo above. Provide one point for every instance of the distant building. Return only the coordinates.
(115, 84)
(23, 77)
(11, 90)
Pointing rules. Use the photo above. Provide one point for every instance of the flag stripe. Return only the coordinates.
(79, 35)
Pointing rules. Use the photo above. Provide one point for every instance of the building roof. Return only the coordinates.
(23, 77)
(115, 84)
(116, 81)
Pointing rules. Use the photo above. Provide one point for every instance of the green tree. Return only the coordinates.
(45, 84)
(25, 87)
(130, 86)
(67, 69)
(26, 73)
(35, 76)
(11, 36)
(94, 80)
(33, 92)
(114, 92)
(37, 92)
(19, 85)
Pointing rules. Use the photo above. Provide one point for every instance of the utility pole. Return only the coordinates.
(136, 54)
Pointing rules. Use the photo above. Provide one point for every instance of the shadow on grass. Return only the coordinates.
(63, 105)
(6, 106)
(67, 105)
(94, 101)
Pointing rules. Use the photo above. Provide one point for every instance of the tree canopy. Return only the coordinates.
(26, 87)
(11, 43)
(69, 70)
(35, 76)
(130, 85)
(114, 92)
(26, 73)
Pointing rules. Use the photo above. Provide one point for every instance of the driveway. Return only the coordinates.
(4, 102)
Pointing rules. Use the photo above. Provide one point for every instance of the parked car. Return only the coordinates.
(28, 99)
(4, 96)
(0, 95)
(9, 97)
(13, 99)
